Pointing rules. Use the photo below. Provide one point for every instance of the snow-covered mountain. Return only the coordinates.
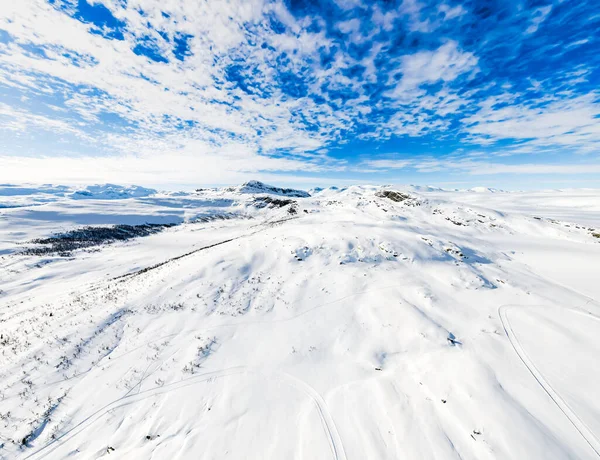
(257, 322)
(256, 187)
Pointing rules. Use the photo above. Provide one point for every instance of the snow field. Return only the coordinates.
(355, 328)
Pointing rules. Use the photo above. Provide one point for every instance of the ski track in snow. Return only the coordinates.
(581, 427)
(336, 444)
(333, 436)
(381, 316)
(337, 448)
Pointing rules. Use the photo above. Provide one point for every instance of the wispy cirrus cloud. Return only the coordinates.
(538, 16)
(555, 124)
(482, 167)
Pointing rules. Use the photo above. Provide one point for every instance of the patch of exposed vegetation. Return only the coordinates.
(455, 252)
(64, 244)
(394, 196)
(255, 186)
(213, 217)
(596, 235)
(455, 222)
(264, 201)
(398, 197)
(267, 201)
(206, 348)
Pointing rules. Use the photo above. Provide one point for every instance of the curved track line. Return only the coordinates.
(334, 437)
(125, 401)
(335, 441)
(329, 426)
(579, 425)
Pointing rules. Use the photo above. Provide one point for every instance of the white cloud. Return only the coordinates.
(578, 42)
(349, 4)
(232, 164)
(385, 20)
(21, 121)
(389, 164)
(419, 110)
(352, 25)
(561, 123)
(487, 168)
(495, 168)
(539, 15)
(415, 10)
(451, 12)
(444, 64)
(190, 115)
(157, 96)
(471, 165)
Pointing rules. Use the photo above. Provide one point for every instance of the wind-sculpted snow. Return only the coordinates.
(358, 326)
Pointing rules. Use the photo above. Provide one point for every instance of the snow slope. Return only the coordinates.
(580, 206)
(344, 325)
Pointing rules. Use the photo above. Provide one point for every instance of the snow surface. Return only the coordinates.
(342, 325)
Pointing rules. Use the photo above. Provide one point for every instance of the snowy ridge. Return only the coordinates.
(255, 186)
(360, 322)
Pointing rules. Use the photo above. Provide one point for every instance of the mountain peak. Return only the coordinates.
(255, 186)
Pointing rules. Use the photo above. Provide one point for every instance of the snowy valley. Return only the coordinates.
(257, 322)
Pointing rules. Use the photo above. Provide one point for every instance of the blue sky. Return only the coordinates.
(187, 92)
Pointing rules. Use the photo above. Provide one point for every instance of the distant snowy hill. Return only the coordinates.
(22, 190)
(425, 188)
(111, 192)
(256, 187)
(484, 190)
(22, 195)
